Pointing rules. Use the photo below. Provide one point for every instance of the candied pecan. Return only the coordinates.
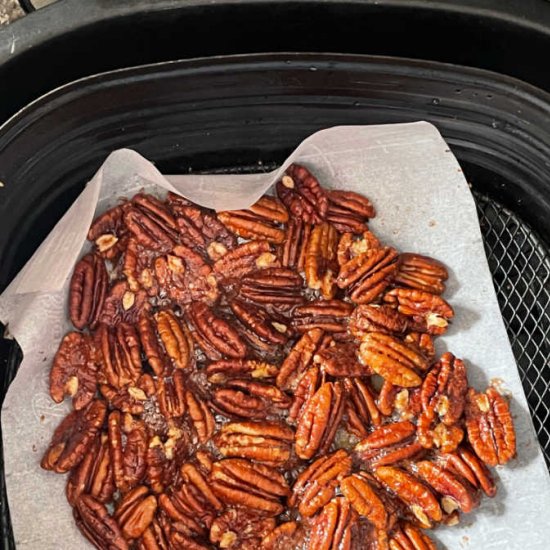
(316, 485)
(392, 359)
(171, 395)
(423, 342)
(202, 418)
(361, 410)
(432, 433)
(87, 292)
(429, 312)
(301, 193)
(95, 523)
(130, 399)
(282, 536)
(387, 397)
(350, 246)
(261, 441)
(123, 306)
(239, 482)
(321, 267)
(108, 232)
(94, 475)
(328, 315)
(455, 493)
(214, 335)
(226, 369)
(368, 274)
(306, 387)
(319, 420)
(388, 444)
(128, 455)
(137, 267)
(364, 499)
(244, 259)
(376, 318)
(349, 211)
(198, 493)
(153, 538)
(340, 360)
(332, 528)
(135, 512)
(74, 370)
(182, 517)
(73, 438)
(408, 537)
(294, 248)
(237, 529)
(249, 399)
(277, 287)
(417, 496)
(421, 272)
(259, 325)
(490, 427)
(151, 223)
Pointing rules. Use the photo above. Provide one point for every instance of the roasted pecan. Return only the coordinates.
(301, 193)
(108, 232)
(214, 335)
(171, 395)
(319, 420)
(350, 246)
(293, 251)
(328, 315)
(364, 499)
(421, 501)
(432, 433)
(135, 512)
(277, 287)
(123, 306)
(340, 360)
(94, 475)
(249, 399)
(368, 274)
(239, 482)
(361, 409)
(282, 536)
(73, 438)
(128, 455)
(220, 371)
(388, 444)
(332, 528)
(74, 370)
(95, 523)
(260, 441)
(244, 259)
(151, 223)
(88, 290)
(392, 359)
(428, 312)
(387, 396)
(198, 494)
(176, 339)
(202, 418)
(183, 520)
(238, 529)
(137, 267)
(455, 492)
(316, 485)
(306, 387)
(408, 537)
(349, 211)
(321, 267)
(490, 427)
(423, 342)
(153, 538)
(421, 272)
(376, 318)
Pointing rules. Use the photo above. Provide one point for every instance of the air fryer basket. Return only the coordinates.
(247, 113)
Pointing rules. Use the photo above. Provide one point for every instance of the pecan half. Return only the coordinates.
(423, 342)
(392, 359)
(350, 246)
(239, 482)
(171, 395)
(73, 438)
(182, 518)
(219, 372)
(376, 318)
(319, 420)
(153, 538)
(349, 211)
(321, 267)
(202, 418)
(260, 328)
(240, 529)
(361, 409)
(332, 528)
(340, 360)
(74, 370)
(135, 512)
(302, 194)
(282, 536)
(408, 537)
(490, 426)
(260, 441)
(316, 485)
(421, 272)
(432, 433)
(87, 291)
(328, 315)
(364, 499)
(244, 259)
(123, 306)
(306, 387)
(293, 251)
(214, 335)
(108, 232)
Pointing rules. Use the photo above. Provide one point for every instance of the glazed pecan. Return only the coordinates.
(328, 315)
(87, 291)
(123, 306)
(432, 433)
(239, 482)
(95, 523)
(226, 369)
(94, 475)
(201, 417)
(386, 397)
(108, 232)
(74, 437)
(490, 427)
(408, 537)
(368, 274)
(171, 395)
(153, 538)
(293, 251)
(350, 246)
(332, 528)
(340, 360)
(319, 420)
(264, 441)
(388, 444)
(361, 409)
(137, 267)
(429, 312)
(135, 512)
(198, 494)
(181, 520)
(321, 267)
(130, 399)
(316, 485)
(151, 223)
(214, 335)
(423, 342)
(74, 370)
(392, 359)
(420, 500)
(306, 387)
(301, 193)
(421, 273)
(376, 318)
(364, 499)
(259, 327)
(349, 211)
(244, 259)
(282, 536)
(240, 529)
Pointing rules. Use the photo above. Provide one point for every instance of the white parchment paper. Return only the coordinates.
(423, 205)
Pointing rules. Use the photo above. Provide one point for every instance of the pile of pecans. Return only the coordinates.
(265, 379)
